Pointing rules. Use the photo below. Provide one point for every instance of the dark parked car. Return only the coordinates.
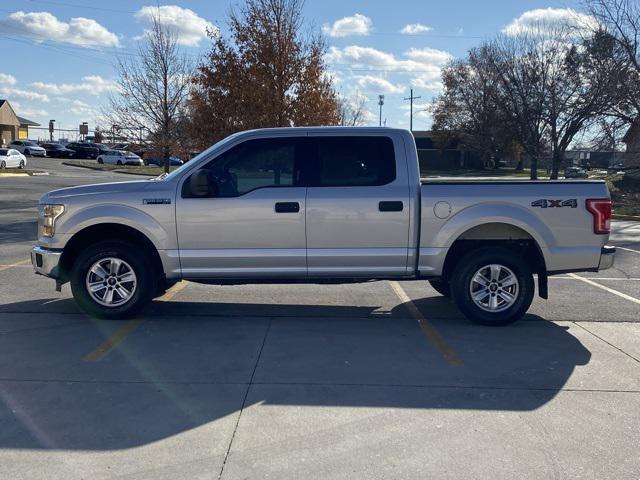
(159, 162)
(83, 150)
(103, 149)
(575, 172)
(57, 150)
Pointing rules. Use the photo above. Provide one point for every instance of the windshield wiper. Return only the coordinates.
(162, 176)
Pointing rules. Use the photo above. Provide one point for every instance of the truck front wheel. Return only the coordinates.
(112, 280)
(492, 286)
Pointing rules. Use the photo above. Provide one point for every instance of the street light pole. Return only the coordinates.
(380, 103)
(51, 129)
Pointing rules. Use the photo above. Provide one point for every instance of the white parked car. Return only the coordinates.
(11, 158)
(117, 157)
(28, 147)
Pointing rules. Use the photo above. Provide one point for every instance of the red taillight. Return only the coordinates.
(600, 208)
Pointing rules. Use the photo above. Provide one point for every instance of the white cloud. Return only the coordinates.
(358, 56)
(415, 28)
(10, 93)
(373, 71)
(187, 25)
(429, 56)
(427, 84)
(418, 60)
(30, 112)
(357, 24)
(7, 79)
(45, 26)
(540, 20)
(377, 84)
(91, 84)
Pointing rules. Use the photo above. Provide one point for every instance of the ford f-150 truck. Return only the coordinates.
(332, 204)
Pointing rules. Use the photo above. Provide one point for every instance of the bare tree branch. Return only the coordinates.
(153, 87)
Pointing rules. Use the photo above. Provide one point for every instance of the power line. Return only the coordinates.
(77, 5)
(59, 49)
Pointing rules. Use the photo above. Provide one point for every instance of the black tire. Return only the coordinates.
(137, 259)
(27, 152)
(118, 162)
(442, 287)
(21, 166)
(461, 284)
(100, 161)
(3, 165)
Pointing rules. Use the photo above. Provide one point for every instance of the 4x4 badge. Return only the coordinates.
(544, 203)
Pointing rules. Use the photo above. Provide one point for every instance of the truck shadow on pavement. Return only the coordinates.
(190, 364)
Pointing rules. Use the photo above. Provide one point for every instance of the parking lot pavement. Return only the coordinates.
(373, 380)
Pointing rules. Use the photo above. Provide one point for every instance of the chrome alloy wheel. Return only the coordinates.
(111, 282)
(494, 288)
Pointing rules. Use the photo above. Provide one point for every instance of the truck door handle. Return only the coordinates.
(287, 207)
(394, 206)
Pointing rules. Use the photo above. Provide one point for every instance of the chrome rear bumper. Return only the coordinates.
(607, 257)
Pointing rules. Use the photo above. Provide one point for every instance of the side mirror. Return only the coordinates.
(202, 185)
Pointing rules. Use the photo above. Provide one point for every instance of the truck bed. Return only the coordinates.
(551, 212)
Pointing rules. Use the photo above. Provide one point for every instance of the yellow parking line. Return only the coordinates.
(119, 335)
(17, 264)
(173, 291)
(427, 328)
(607, 289)
(113, 341)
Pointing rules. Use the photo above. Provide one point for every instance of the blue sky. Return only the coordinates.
(59, 54)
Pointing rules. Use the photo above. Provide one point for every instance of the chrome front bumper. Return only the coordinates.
(607, 257)
(45, 262)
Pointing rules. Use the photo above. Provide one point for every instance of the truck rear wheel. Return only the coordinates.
(442, 287)
(492, 286)
(112, 280)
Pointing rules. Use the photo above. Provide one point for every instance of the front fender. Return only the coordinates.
(120, 214)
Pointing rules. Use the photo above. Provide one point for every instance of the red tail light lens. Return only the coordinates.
(600, 208)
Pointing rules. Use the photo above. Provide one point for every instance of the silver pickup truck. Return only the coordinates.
(320, 205)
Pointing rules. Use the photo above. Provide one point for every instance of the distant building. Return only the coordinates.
(632, 140)
(13, 127)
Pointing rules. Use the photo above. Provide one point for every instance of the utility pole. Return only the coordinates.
(380, 103)
(411, 99)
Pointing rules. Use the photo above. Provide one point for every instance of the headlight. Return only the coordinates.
(47, 218)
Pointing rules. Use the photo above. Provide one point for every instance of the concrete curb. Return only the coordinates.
(28, 173)
(616, 216)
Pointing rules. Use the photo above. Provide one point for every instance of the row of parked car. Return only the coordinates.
(103, 154)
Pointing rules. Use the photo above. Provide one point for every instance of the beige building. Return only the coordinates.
(632, 141)
(13, 127)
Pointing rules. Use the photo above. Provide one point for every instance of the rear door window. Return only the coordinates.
(352, 161)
